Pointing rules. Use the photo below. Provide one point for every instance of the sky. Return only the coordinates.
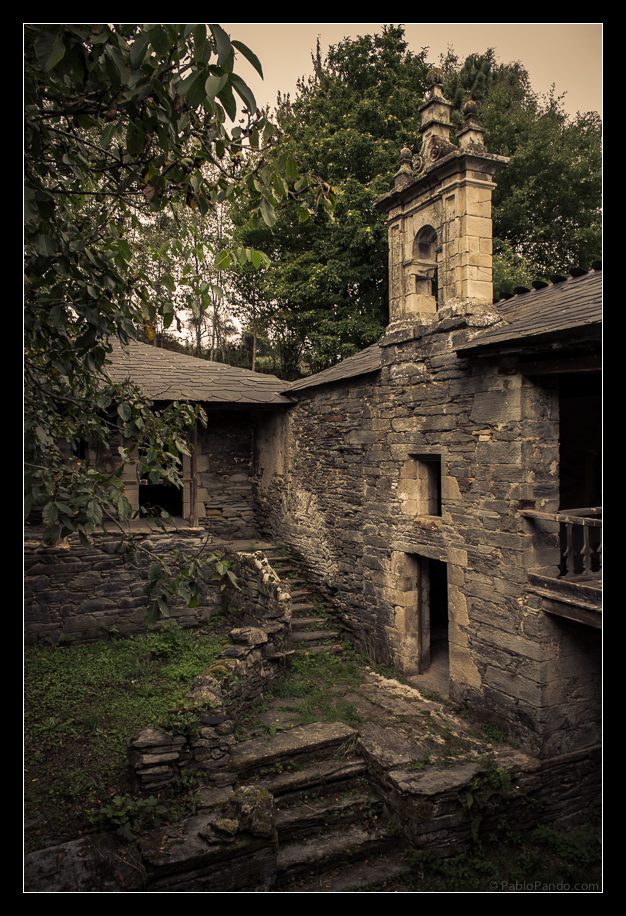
(566, 54)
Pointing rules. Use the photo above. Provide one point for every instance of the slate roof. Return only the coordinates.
(164, 375)
(368, 360)
(570, 305)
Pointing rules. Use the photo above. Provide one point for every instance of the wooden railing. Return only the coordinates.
(580, 539)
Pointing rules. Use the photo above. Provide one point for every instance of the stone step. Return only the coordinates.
(373, 874)
(335, 649)
(302, 742)
(302, 606)
(299, 593)
(305, 622)
(325, 773)
(298, 636)
(334, 847)
(318, 814)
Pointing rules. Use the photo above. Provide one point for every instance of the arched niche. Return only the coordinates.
(424, 270)
(425, 245)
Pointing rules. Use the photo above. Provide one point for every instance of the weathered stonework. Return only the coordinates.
(261, 608)
(340, 500)
(225, 475)
(78, 593)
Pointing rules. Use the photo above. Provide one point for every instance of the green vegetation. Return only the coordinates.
(310, 680)
(313, 690)
(540, 859)
(123, 123)
(324, 295)
(83, 703)
(493, 733)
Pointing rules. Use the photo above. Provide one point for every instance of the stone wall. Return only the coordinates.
(78, 593)
(217, 697)
(224, 464)
(445, 811)
(342, 494)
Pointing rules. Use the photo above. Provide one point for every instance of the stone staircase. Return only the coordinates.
(311, 629)
(332, 831)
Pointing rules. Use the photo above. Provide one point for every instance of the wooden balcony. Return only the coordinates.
(576, 593)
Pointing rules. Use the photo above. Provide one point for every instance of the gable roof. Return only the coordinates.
(571, 305)
(165, 375)
(368, 360)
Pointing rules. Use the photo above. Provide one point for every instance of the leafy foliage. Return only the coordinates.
(122, 122)
(324, 296)
(83, 703)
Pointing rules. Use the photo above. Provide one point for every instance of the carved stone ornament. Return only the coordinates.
(437, 148)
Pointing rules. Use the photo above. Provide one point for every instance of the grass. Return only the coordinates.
(320, 681)
(542, 858)
(84, 702)
(318, 684)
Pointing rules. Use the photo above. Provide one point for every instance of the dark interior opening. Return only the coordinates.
(580, 447)
(158, 496)
(435, 285)
(438, 575)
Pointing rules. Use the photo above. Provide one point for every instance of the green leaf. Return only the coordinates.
(249, 55)
(224, 260)
(201, 45)
(138, 50)
(50, 514)
(268, 213)
(227, 99)
(135, 138)
(108, 133)
(124, 411)
(215, 84)
(259, 259)
(46, 246)
(222, 43)
(49, 49)
(244, 92)
(157, 37)
(194, 90)
(291, 168)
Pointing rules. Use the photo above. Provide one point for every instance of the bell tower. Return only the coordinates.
(439, 217)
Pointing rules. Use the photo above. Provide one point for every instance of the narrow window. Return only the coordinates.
(420, 485)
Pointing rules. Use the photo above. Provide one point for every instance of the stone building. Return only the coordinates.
(442, 485)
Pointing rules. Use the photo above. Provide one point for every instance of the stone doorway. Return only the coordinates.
(432, 613)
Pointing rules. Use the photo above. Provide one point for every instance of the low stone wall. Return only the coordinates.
(78, 593)
(443, 810)
(238, 676)
(231, 843)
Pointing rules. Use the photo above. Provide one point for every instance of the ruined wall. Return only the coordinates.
(346, 500)
(81, 593)
(225, 495)
(240, 674)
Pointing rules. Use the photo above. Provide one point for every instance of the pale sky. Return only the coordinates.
(567, 54)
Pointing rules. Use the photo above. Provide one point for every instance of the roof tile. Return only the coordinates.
(166, 375)
(568, 305)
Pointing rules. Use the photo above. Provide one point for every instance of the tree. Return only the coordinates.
(121, 123)
(327, 283)
(547, 200)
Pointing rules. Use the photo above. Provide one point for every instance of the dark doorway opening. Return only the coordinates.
(154, 497)
(433, 613)
(438, 573)
(580, 446)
